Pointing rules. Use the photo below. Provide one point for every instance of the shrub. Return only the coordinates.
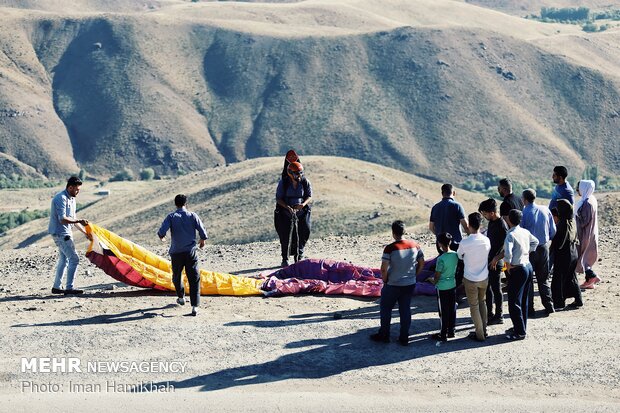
(147, 174)
(14, 181)
(125, 175)
(590, 27)
(565, 14)
(9, 220)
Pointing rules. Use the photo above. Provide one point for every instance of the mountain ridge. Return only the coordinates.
(171, 91)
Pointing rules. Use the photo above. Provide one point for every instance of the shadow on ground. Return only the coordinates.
(321, 358)
(126, 316)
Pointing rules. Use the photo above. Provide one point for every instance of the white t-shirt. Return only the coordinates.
(474, 251)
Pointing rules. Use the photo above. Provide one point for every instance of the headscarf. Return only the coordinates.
(586, 189)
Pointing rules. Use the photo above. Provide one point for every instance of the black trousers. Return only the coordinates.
(446, 301)
(283, 220)
(460, 267)
(390, 295)
(564, 283)
(494, 291)
(519, 280)
(540, 263)
(188, 261)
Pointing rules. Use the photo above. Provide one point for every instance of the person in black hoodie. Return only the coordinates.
(564, 247)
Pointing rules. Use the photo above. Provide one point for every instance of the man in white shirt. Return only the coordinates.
(474, 251)
(518, 244)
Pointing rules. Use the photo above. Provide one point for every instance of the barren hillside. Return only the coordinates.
(437, 88)
(236, 202)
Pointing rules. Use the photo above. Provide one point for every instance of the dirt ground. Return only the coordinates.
(291, 353)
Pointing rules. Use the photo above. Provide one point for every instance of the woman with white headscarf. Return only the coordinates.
(587, 232)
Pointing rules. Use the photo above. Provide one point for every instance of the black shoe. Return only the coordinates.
(284, 263)
(498, 319)
(574, 305)
(299, 257)
(438, 337)
(74, 292)
(549, 310)
(403, 341)
(380, 338)
(511, 330)
(58, 291)
(450, 334)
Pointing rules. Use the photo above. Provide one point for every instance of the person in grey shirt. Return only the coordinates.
(183, 225)
(518, 244)
(62, 219)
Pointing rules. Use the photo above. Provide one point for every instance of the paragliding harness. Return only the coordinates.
(293, 228)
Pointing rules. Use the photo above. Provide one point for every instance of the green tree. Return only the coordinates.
(125, 175)
(590, 27)
(147, 174)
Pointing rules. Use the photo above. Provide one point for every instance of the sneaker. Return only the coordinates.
(549, 309)
(73, 291)
(438, 337)
(58, 291)
(403, 341)
(515, 337)
(511, 330)
(284, 263)
(194, 312)
(450, 334)
(380, 338)
(588, 285)
(299, 257)
(181, 301)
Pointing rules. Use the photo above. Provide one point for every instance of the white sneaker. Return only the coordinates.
(181, 301)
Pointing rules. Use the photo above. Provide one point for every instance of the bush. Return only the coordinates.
(565, 14)
(10, 220)
(14, 181)
(606, 15)
(147, 174)
(125, 175)
(590, 27)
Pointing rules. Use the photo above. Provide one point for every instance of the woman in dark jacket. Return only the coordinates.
(292, 216)
(564, 249)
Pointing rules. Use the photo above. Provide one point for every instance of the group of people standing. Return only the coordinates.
(524, 240)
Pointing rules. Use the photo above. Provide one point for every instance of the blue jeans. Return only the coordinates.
(390, 295)
(67, 259)
(519, 280)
